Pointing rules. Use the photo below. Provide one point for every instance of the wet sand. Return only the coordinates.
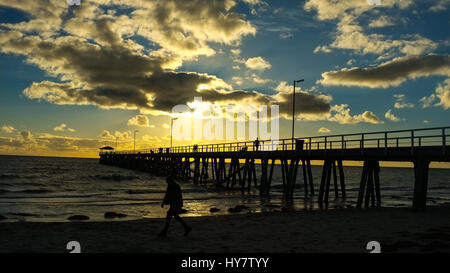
(346, 230)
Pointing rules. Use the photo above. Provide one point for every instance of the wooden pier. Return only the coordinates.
(207, 163)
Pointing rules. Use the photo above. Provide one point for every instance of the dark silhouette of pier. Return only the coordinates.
(206, 163)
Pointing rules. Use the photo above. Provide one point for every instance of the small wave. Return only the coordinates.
(26, 191)
(23, 214)
(27, 184)
(144, 191)
(35, 191)
(9, 176)
(113, 177)
(439, 188)
(58, 196)
(185, 191)
(394, 188)
(22, 176)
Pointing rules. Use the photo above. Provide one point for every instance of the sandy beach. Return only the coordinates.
(346, 230)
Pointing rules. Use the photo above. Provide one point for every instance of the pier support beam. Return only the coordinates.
(421, 167)
(310, 177)
(264, 180)
(370, 184)
(329, 167)
(269, 180)
(196, 170)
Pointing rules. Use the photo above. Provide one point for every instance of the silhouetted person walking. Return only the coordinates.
(174, 198)
(256, 144)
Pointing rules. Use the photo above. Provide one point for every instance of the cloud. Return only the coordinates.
(26, 135)
(256, 79)
(185, 27)
(95, 60)
(123, 135)
(341, 114)
(45, 16)
(286, 35)
(284, 87)
(166, 126)
(323, 130)
(305, 103)
(97, 63)
(106, 135)
(252, 2)
(121, 78)
(324, 49)
(257, 63)
(443, 93)
(236, 52)
(313, 106)
(440, 5)
(238, 80)
(441, 97)
(63, 143)
(8, 129)
(26, 143)
(389, 115)
(139, 120)
(351, 36)
(391, 73)
(123, 138)
(427, 101)
(151, 139)
(63, 128)
(331, 9)
(382, 21)
(401, 102)
(310, 105)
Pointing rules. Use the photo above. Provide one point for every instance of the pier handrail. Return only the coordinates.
(408, 138)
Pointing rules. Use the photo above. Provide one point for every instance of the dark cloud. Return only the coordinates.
(391, 73)
(97, 65)
(304, 103)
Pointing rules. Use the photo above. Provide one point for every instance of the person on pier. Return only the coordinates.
(174, 198)
(256, 144)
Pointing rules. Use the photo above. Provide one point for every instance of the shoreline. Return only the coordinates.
(346, 230)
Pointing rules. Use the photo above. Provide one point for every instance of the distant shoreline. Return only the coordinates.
(49, 156)
(314, 163)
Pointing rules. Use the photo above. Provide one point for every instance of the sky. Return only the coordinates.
(76, 77)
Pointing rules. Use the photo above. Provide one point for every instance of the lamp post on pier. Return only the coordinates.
(293, 107)
(134, 140)
(171, 130)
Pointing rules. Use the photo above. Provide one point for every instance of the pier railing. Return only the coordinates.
(413, 138)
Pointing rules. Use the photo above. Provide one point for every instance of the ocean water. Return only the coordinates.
(49, 189)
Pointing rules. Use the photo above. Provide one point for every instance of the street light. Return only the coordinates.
(171, 130)
(293, 107)
(134, 145)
